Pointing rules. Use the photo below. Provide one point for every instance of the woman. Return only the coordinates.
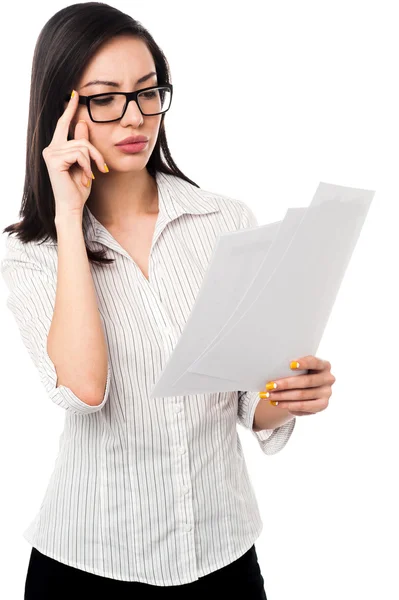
(148, 497)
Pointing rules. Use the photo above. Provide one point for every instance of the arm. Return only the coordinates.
(268, 416)
(76, 341)
(56, 311)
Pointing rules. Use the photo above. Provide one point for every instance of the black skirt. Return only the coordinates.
(49, 579)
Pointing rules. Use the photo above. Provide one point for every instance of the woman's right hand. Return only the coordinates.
(68, 179)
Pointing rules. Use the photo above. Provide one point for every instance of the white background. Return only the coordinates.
(270, 98)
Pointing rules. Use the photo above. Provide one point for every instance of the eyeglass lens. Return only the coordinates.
(111, 106)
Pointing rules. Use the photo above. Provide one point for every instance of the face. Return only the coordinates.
(123, 60)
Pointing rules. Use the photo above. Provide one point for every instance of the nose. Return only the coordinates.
(133, 113)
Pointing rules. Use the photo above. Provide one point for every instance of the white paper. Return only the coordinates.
(266, 297)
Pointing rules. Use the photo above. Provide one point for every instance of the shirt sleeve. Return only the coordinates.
(32, 291)
(270, 441)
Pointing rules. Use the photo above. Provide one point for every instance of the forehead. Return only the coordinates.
(124, 59)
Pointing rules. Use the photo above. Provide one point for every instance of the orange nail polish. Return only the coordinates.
(271, 385)
(294, 365)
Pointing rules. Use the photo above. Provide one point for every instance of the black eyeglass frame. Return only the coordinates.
(129, 96)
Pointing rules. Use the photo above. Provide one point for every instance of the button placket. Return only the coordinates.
(161, 316)
(183, 470)
(167, 330)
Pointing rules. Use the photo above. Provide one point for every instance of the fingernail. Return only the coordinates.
(264, 395)
(274, 402)
(88, 183)
(73, 93)
(106, 168)
(92, 175)
(271, 385)
(294, 365)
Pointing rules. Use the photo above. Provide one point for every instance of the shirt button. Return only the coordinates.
(185, 489)
(182, 450)
(187, 527)
(168, 330)
(177, 408)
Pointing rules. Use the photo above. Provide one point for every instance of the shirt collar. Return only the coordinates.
(176, 197)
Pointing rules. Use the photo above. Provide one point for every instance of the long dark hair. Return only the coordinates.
(64, 46)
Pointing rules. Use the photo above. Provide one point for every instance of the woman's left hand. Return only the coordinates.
(304, 394)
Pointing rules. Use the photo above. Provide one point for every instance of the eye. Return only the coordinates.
(150, 94)
(104, 100)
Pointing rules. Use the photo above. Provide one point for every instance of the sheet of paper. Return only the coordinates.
(233, 265)
(267, 296)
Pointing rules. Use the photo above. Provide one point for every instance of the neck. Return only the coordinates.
(116, 198)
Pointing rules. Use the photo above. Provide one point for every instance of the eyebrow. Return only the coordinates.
(114, 83)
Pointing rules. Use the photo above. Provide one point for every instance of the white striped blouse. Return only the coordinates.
(156, 492)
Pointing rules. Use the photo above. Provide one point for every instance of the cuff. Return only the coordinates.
(271, 441)
(63, 395)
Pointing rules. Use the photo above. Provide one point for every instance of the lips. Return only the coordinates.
(133, 139)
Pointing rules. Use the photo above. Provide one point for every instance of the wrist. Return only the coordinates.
(62, 219)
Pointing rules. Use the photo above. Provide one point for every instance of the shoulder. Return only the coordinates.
(235, 213)
(237, 209)
(28, 255)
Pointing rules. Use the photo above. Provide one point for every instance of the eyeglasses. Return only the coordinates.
(105, 108)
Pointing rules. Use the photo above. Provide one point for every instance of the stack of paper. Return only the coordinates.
(266, 297)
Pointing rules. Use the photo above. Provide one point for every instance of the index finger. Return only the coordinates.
(61, 131)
